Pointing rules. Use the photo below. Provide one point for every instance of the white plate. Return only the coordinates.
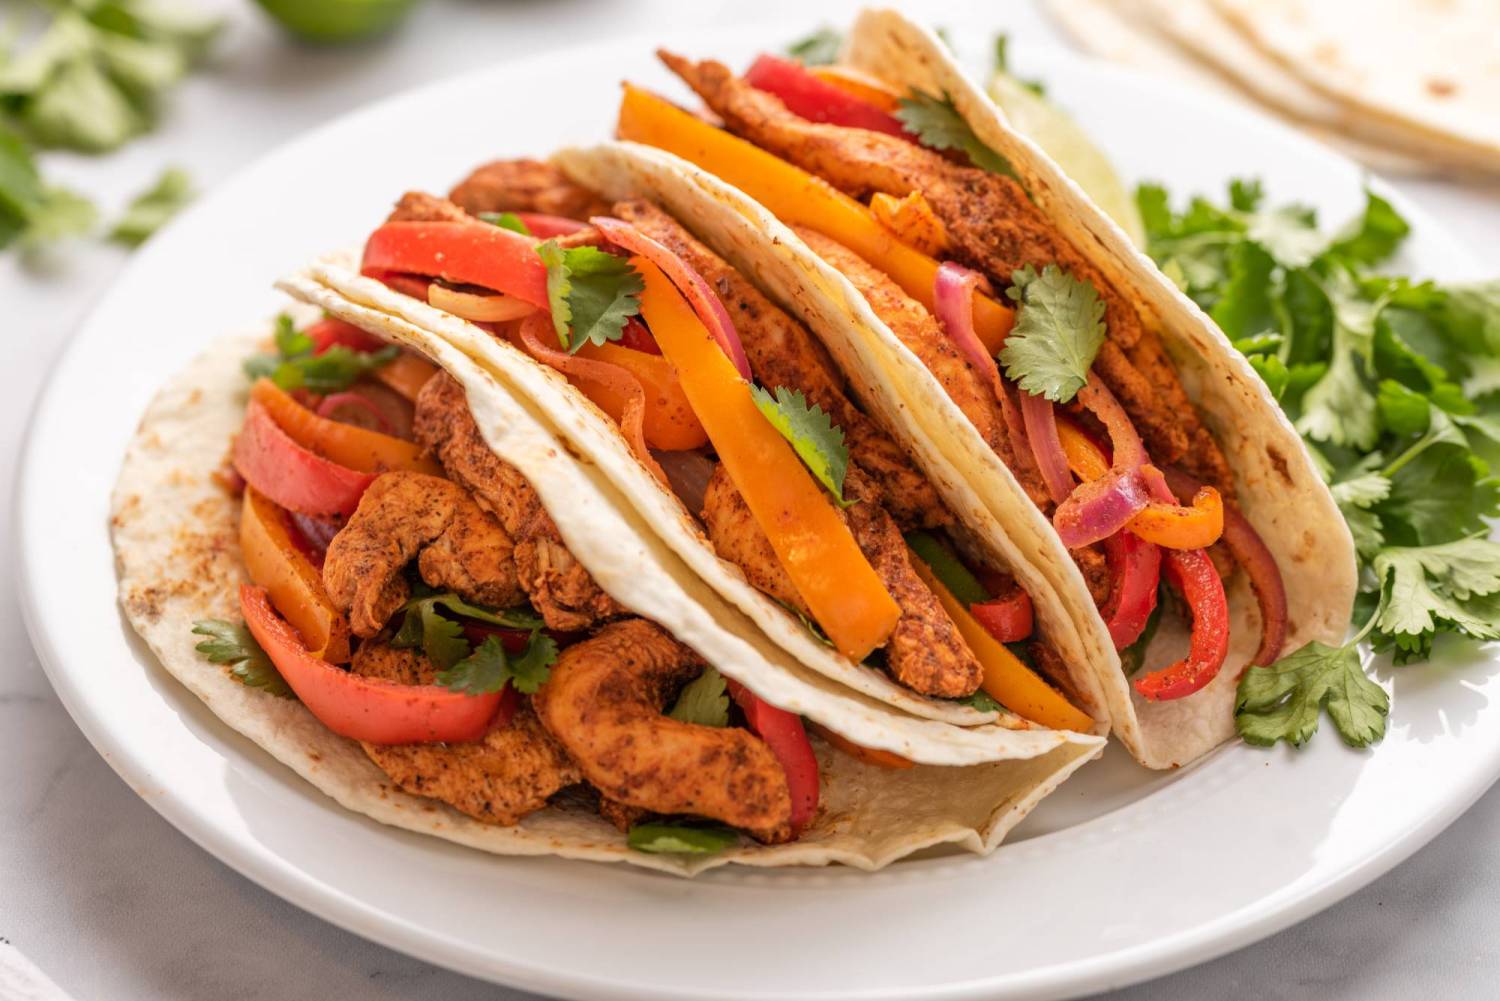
(1120, 876)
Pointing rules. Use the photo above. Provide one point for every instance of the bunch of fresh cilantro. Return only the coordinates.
(90, 80)
(1395, 387)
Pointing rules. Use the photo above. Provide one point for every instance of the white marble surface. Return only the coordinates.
(111, 902)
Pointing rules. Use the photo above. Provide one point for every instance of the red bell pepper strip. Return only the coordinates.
(784, 735)
(292, 476)
(544, 226)
(1194, 574)
(1009, 619)
(369, 709)
(806, 96)
(466, 253)
(330, 331)
(1135, 571)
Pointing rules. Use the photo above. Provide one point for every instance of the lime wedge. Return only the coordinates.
(337, 20)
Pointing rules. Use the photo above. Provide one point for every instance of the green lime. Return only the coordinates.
(337, 20)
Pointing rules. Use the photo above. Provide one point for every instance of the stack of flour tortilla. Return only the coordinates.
(1410, 86)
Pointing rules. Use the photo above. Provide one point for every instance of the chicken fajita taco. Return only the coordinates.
(731, 432)
(402, 585)
(1103, 424)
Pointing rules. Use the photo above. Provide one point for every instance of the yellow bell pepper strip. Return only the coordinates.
(1016, 686)
(841, 589)
(1169, 525)
(869, 755)
(912, 220)
(797, 198)
(353, 447)
(295, 586)
(407, 374)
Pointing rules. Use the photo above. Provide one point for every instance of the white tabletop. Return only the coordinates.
(111, 902)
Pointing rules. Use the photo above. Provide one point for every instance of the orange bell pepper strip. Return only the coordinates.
(294, 584)
(912, 220)
(1168, 525)
(869, 755)
(797, 198)
(857, 83)
(407, 374)
(355, 448)
(669, 422)
(1016, 686)
(845, 595)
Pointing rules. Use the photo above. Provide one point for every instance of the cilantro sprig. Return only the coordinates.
(489, 668)
(1059, 329)
(819, 48)
(1395, 387)
(592, 293)
(811, 433)
(937, 124)
(231, 644)
(295, 366)
(463, 667)
(507, 220)
(704, 700)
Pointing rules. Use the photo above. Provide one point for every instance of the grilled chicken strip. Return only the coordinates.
(992, 226)
(405, 516)
(783, 353)
(604, 704)
(924, 652)
(498, 780)
(560, 589)
(526, 186)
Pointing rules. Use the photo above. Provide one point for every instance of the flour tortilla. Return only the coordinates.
(1277, 482)
(1427, 66)
(1133, 33)
(175, 533)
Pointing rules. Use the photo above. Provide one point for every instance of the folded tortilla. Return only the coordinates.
(175, 532)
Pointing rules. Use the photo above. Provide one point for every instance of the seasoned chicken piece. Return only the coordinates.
(622, 815)
(783, 353)
(992, 226)
(925, 651)
(405, 516)
(498, 780)
(560, 589)
(604, 704)
(418, 206)
(526, 186)
(918, 329)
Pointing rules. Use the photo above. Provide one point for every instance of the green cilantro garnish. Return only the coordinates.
(489, 668)
(294, 366)
(441, 638)
(703, 701)
(230, 643)
(935, 121)
(1395, 386)
(32, 213)
(1002, 65)
(811, 433)
(680, 839)
(983, 701)
(506, 220)
(592, 293)
(818, 49)
(151, 209)
(1058, 331)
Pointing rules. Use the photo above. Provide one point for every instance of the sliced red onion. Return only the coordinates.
(1137, 571)
(1099, 508)
(312, 535)
(1249, 551)
(953, 302)
(688, 473)
(1046, 447)
(689, 282)
(343, 406)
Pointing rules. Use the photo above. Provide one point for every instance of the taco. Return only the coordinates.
(1118, 438)
(733, 435)
(402, 586)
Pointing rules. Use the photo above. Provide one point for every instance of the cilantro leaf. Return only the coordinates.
(294, 366)
(1289, 234)
(1285, 700)
(507, 220)
(1374, 236)
(680, 839)
(704, 701)
(935, 121)
(818, 49)
(592, 293)
(31, 212)
(1446, 583)
(230, 643)
(811, 433)
(983, 701)
(1059, 329)
(151, 209)
(441, 638)
(489, 669)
